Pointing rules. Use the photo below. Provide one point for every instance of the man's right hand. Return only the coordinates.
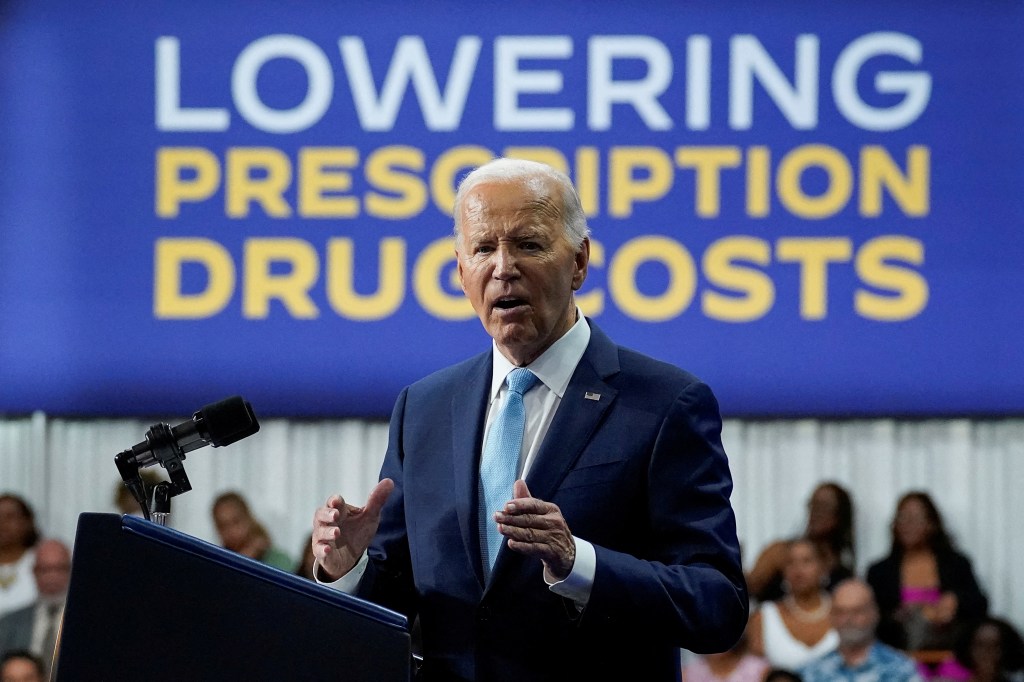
(341, 532)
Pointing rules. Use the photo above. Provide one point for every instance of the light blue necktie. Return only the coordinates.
(500, 461)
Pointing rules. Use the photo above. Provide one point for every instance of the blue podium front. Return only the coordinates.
(148, 602)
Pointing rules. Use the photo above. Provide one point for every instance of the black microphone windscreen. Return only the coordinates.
(227, 421)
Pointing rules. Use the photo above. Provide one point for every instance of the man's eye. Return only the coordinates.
(529, 246)
(484, 248)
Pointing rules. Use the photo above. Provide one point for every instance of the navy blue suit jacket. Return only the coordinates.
(640, 473)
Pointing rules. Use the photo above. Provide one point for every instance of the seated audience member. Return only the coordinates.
(35, 626)
(796, 629)
(21, 666)
(925, 587)
(18, 537)
(829, 526)
(859, 656)
(737, 664)
(992, 650)
(240, 532)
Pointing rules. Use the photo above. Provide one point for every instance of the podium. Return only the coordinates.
(149, 603)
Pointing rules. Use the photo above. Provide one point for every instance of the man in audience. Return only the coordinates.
(35, 627)
(859, 656)
(21, 666)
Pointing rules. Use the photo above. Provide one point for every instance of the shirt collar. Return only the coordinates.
(554, 367)
(872, 659)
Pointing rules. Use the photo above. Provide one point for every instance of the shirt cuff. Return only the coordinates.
(349, 581)
(580, 581)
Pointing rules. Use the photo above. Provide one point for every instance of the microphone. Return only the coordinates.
(218, 424)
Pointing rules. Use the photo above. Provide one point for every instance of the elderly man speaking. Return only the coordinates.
(556, 507)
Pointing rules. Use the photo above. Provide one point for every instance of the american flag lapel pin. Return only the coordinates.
(591, 396)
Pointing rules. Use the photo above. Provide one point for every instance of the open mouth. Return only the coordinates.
(509, 303)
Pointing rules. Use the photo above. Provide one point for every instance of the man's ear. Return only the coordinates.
(582, 260)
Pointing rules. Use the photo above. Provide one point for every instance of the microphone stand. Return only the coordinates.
(164, 449)
(162, 494)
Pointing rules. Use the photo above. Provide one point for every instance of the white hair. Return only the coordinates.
(534, 175)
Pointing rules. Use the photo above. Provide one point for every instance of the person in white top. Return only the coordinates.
(796, 629)
(18, 535)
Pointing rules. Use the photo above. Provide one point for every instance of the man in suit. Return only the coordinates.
(35, 627)
(615, 545)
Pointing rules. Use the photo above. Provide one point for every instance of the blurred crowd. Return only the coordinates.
(917, 613)
(35, 574)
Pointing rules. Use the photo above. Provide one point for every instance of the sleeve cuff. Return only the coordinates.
(580, 581)
(349, 581)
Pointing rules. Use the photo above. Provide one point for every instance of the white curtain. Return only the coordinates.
(973, 468)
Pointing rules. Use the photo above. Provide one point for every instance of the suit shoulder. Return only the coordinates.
(655, 373)
(447, 378)
(18, 616)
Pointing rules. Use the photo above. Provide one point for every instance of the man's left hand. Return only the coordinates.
(538, 529)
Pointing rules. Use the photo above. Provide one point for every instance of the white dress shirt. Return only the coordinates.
(41, 623)
(18, 589)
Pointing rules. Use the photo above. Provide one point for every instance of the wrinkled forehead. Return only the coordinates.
(527, 201)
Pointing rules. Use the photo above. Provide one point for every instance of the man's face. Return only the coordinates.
(20, 670)
(854, 615)
(52, 569)
(517, 267)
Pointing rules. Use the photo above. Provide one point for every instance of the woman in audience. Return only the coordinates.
(829, 526)
(240, 532)
(992, 650)
(924, 587)
(18, 535)
(796, 629)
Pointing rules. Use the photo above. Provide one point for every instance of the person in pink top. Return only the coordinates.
(926, 588)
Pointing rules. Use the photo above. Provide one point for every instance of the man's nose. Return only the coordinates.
(505, 265)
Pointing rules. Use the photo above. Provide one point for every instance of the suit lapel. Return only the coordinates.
(469, 407)
(586, 400)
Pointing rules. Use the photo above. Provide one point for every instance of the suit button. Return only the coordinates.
(483, 614)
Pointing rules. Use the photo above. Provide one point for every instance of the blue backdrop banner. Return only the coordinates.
(815, 208)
